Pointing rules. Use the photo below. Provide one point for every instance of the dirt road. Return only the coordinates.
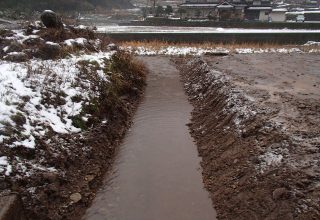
(156, 174)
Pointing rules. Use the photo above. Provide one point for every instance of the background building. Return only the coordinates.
(232, 10)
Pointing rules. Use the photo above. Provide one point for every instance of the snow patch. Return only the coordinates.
(198, 51)
(312, 43)
(52, 43)
(271, 158)
(27, 88)
(5, 166)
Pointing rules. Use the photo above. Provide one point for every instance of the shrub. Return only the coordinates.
(126, 78)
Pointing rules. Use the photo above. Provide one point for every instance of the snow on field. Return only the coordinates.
(172, 50)
(198, 51)
(311, 43)
(170, 29)
(20, 36)
(79, 41)
(36, 97)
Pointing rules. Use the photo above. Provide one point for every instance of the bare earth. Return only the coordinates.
(256, 124)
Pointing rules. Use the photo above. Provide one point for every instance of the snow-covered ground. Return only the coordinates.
(37, 97)
(198, 51)
(59, 97)
(170, 29)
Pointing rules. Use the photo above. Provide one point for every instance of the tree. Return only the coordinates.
(169, 9)
(181, 11)
(144, 12)
(62, 5)
(159, 11)
(198, 13)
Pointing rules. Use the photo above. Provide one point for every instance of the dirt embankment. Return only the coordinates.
(67, 98)
(256, 124)
(81, 159)
(58, 172)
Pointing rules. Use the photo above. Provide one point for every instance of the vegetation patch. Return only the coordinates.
(209, 48)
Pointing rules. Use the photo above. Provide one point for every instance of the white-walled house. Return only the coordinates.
(278, 15)
(261, 13)
(228, 10)
(195, 9)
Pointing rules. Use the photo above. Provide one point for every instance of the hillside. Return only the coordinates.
(63, 5)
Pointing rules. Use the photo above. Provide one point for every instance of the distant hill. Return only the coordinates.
(63, 5)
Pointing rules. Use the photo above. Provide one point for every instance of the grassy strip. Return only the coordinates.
(157, 45)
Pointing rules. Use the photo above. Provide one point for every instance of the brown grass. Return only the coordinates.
(127, 77)
(157, 45)
(60, 35)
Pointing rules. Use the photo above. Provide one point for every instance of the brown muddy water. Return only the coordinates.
(157, 173)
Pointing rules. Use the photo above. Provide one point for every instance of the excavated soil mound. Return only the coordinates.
(256, 126)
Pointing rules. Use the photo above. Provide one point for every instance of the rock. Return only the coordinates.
(16, 57)
(75, 197)
(49, 50)
(89, 178)
(280, 193)
(51, 20)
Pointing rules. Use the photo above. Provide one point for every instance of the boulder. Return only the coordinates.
(75, 197)
(49, 50)
(51, 20)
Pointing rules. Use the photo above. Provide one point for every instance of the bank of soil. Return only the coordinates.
(256, 124)
(77, 161)
(66, 99)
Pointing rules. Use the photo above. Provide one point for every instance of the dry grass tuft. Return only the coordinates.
(157, 45)
(126, 78)
(60, 35)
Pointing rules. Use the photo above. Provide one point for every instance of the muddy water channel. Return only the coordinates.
(157, 173)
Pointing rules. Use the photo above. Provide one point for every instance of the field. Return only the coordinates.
(256, 123)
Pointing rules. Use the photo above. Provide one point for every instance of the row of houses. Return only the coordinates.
(233, 10)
